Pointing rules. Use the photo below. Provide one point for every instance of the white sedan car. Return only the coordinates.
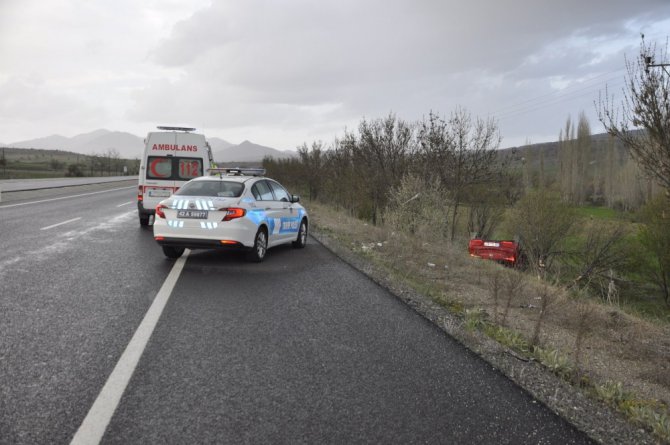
(232, 209)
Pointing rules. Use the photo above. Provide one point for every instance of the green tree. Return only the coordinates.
(655, 236)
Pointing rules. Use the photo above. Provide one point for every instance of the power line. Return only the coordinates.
(574, 95)
(567, 90)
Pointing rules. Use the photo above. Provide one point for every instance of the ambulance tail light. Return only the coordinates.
(159, 210)
(140, 194)
(233, 213)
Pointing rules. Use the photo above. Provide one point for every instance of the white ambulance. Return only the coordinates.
(171, 157)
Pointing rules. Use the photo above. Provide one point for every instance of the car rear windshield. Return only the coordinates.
(221, 189)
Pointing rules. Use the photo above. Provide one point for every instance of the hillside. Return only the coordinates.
(98, 142)
(548, 152)
(249, 152)
(129, 146)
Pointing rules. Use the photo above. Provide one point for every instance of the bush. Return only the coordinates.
(655, 237)
(74, 170)
(542, 223)
(417, 208)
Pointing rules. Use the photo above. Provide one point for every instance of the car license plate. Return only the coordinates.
(491, 244)
(159, 193)
(194, 214)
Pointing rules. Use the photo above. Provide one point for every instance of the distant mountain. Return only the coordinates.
(549, 152)
(96, 142)
(130, 146)
(249, 152)
(53, 142)
(218, 144)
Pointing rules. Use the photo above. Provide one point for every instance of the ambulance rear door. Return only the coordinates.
(160, 169)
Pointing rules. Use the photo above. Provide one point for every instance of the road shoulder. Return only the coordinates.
(594, 418)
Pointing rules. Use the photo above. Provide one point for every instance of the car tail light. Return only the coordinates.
(159, 210)
(507, 244)
(140, 193)
(233, 213)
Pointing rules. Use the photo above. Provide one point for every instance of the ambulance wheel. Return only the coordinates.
(173, 252)
(144, 221)
(301, 241)
(260, 248)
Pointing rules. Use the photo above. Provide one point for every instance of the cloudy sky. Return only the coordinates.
(285, 72)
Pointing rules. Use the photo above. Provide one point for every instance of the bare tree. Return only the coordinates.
(599, 255)
(312, 161)
(461, 152)
(566, 143)
(575, 158)
(542, 222)
(642, 120)
(380, 156)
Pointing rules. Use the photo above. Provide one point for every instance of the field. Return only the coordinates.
(28, 163)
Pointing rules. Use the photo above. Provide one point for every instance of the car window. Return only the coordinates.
(220, 189)
(262, 192)
(190, 168)
(173, 168)
(159, 167)
(280, 192)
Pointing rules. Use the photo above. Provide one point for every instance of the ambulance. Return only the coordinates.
(171, 157)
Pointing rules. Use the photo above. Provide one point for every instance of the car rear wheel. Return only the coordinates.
(300, 242)
(260, 248)
(144, 221)
(173, 252)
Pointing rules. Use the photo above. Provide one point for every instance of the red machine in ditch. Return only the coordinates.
(506, 252)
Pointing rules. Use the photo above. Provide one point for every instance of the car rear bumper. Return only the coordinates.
(195, 243)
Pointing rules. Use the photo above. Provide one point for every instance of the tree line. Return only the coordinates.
(363, 172)
(443, 177)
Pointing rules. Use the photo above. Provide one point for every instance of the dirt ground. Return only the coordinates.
(601, 342)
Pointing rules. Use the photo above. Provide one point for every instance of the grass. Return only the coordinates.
(597, 212)
(648, 413)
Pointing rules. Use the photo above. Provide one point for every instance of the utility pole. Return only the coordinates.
(649, 63)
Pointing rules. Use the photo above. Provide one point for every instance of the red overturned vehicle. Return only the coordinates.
(506, 251)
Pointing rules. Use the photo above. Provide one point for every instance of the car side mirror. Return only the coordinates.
(295, 198)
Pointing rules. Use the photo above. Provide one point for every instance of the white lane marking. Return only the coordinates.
(94, 425)
(66, 197)
(125, 203)
(60, 223)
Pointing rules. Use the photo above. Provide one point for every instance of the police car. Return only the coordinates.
(233, 208)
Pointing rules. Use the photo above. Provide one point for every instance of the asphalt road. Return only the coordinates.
(13, 185)
(298, 349)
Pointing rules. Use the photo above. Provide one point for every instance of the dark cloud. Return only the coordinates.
(302, 67)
